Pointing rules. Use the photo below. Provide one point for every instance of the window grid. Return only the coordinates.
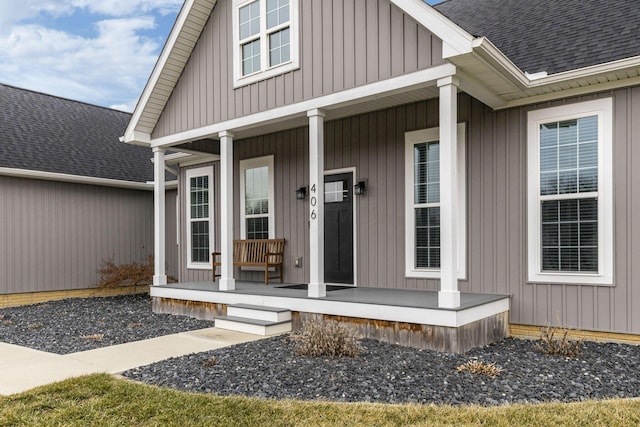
(569, 195)
(427, 204)
(264, 32)
(199, 218)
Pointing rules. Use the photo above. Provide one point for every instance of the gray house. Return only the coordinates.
(439, 173)
(71, 196)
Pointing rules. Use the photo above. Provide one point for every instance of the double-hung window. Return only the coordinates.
(199, 202)
(422, 210)
(266, 39)
(570, 224)
(257, 198)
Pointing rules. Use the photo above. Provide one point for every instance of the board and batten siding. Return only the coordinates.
(54, 235)
(343, 44)
(497, 153)
(373, 143)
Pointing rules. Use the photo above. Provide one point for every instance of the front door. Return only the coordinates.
(338, 228)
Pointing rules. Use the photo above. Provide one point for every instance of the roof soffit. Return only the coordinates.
(181, 41)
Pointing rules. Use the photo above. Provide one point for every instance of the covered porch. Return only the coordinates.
(399, 316)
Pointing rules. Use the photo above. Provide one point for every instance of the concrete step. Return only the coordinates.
(259, 312)
(252, 326)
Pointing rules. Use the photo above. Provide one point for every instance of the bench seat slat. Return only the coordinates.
(255, 253)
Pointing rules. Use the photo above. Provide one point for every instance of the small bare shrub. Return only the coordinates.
(555, 341)
(210, 362)
(326, 339)
(479, 367)
(135, 325)
(134, 273)
(34, 326)
(94, 337)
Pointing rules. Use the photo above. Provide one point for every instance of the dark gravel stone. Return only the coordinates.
(59, 326)
(393, 374)
(269, 368)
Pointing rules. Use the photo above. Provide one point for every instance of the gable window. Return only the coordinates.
(422, 211)
(257, 198)
(265, 38)
(570, 230)
(199, 197)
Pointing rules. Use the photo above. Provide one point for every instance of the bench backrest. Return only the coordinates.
(253, 251)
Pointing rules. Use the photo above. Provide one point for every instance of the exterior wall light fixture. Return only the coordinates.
(360, 188)
(301, 193)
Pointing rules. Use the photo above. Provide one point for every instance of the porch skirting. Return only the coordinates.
(450, 339)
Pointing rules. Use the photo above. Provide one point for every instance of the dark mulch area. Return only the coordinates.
(80, 324)
(394, 374)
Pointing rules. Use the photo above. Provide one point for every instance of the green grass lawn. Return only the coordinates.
(101, 400)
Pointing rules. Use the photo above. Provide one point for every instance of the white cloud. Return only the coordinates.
(109, 68)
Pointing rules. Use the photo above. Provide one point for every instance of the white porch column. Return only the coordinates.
(227, 282)
(159, 237)
(449, 295)
(317, 286)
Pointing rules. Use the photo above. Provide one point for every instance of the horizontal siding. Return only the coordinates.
(343, 44)
(54, 236)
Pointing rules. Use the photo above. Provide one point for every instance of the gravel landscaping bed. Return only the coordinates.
(269, 368)
(394, 374)
(80, 324)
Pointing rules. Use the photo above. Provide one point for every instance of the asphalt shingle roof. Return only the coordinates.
(51, 134)
(552, 35)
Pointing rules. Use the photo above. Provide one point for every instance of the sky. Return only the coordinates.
(96, 51)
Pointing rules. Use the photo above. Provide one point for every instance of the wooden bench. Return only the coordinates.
(263, 253)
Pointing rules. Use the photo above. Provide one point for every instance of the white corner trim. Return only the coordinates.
(426, 135)
(456, 41)
(327, 102)
(76, 179)
(603, 108)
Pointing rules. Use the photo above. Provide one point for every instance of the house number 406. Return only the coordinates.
(313, 200)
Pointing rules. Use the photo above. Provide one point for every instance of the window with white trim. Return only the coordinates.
(199, 214)
(257, 198)
(265, 34)
(570, 215)
(422, 210)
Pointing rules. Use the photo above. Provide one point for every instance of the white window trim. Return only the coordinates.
(191, 173)
(603, 108)
(265, 71)
(428, 135)
(257, 162)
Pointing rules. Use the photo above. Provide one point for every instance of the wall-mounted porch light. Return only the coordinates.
(301, 193)
(360, 188)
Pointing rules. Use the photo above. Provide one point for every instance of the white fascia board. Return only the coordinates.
(567, 93)
(137, 138)
(328, 102)
(185, 12)
(76, 179)
(456, 41)
(592, 70)
(493, 57)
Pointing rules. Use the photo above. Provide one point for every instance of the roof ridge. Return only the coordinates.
(63, 98)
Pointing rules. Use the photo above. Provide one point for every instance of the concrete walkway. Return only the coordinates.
(22, 368)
